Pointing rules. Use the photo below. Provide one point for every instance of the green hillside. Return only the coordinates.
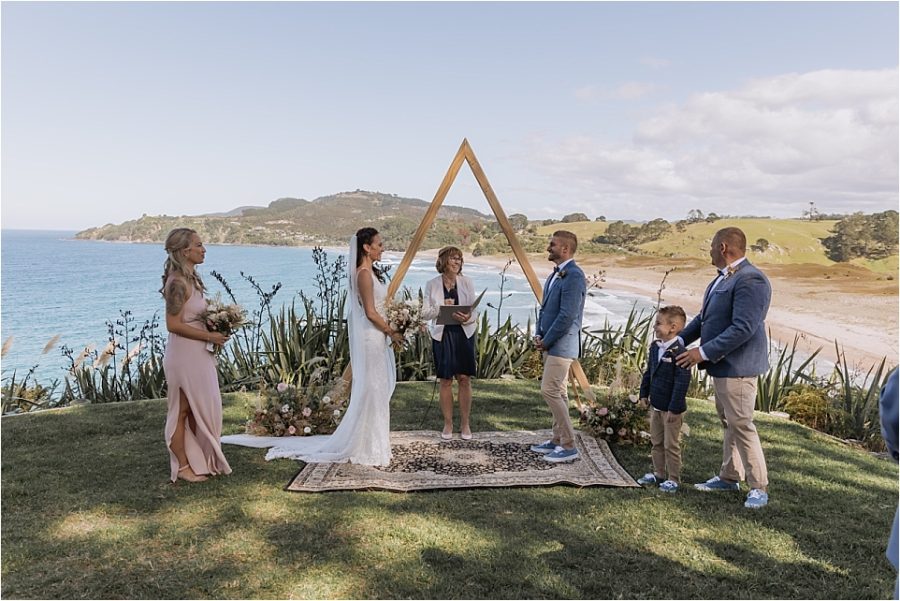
(323, 221)
(791, 241)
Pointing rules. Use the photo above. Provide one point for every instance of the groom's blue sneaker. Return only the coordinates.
(544, 447)
(716, 483)
(560, 455)
(648, 478)
(756, 499)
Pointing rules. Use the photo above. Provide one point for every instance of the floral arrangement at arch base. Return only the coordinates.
(288, 410)
(619, 419)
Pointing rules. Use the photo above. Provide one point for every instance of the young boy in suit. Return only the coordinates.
(665, 385)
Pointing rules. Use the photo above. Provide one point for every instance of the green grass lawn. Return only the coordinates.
(88, 513)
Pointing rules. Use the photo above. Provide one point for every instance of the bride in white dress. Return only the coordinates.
(363, 436)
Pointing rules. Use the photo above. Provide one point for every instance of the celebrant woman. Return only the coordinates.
(194, 419)
(453, 345)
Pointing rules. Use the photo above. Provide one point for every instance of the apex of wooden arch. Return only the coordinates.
(465, 153)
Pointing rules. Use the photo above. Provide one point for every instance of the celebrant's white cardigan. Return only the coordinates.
(434, 296)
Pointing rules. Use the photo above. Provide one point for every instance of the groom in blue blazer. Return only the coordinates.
(734, 350)
(558, 335)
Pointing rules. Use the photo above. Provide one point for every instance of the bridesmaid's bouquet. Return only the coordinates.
(222, 318)
(407, 317)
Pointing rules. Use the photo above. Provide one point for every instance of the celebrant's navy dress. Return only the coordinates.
(454, 354)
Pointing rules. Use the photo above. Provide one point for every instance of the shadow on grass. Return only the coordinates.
(88, 512)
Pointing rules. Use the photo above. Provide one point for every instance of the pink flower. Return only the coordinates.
(622, 431)
(292, 430)
(281, 387)
(307, 412)
(602, 411)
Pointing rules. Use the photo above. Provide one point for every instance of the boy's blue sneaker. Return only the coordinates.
(544, 447)
(716, 483)
(648, 478)
(560, 455)
(669, 486)
(756, 499)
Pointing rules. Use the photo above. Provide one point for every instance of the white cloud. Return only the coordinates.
(768, 147)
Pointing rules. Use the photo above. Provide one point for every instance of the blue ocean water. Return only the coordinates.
(52, 284)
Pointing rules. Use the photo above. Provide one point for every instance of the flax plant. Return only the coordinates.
(857, 399)
(782, 377)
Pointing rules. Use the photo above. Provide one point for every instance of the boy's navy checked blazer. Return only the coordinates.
(664, 382)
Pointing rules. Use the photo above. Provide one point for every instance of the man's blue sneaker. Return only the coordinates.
(716, 483)
(560, 455)
(544, 447)
(756, 499)
(648, 478)
(669, 486)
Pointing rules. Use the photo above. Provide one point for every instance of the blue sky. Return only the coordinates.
(628, 110)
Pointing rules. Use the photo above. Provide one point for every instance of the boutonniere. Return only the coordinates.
(562, 273)
(730, 271)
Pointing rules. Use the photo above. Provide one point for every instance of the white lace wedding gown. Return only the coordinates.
(363, 436)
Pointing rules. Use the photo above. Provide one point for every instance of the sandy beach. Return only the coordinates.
(818, 304)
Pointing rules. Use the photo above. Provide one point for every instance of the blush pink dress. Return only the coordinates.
(192, 368)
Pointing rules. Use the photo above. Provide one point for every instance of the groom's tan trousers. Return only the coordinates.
(553, 388)
(742, 452)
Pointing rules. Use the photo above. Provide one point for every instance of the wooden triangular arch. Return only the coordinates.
(465, 153)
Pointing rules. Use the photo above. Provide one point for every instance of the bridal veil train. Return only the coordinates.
(363, 436)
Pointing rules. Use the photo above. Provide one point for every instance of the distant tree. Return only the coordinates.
(575, 217)
(601, 218)
(518, 221)
(695, 215)
(681, 225)
(812, 213)
(653, 230)
(618, 233)
(712, 218)
(762, 245)
(549, 221)
(858, 235)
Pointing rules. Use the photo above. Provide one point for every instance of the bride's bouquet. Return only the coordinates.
(405, 316)
(222, 318)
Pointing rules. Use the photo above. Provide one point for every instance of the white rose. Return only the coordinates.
(609, 430)
(337, 412)
(307, 430)
(326, 399)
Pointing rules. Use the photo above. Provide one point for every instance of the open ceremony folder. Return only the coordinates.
(445, 317)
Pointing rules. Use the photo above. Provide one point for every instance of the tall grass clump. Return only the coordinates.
(23, 394)
(128, 368)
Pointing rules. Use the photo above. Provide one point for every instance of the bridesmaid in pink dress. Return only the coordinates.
(194, 421)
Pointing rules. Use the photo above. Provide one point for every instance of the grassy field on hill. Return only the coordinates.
(792, 241)
(88, 513)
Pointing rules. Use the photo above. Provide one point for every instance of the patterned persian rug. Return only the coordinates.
(424, 461)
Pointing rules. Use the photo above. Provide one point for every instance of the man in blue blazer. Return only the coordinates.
(558, 335)
(734, 350)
